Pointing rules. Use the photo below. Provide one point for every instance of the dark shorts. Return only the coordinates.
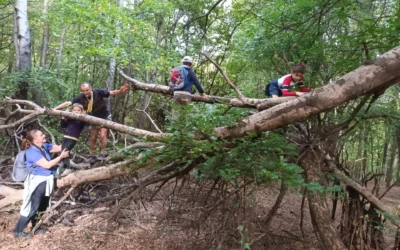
(92, 126)
(273, 89)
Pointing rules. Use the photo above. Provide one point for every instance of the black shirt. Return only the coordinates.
(73, 127)
(99, 108)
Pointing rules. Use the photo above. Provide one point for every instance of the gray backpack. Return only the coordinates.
(20, 171)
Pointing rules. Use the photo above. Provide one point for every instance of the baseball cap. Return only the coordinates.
(188, 59)
(77, 105)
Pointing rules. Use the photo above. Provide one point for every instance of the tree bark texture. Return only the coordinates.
(24, 45)
(376, 76)
(324, 227)
(82, 176)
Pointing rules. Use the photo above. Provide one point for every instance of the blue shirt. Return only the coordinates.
(33, 155)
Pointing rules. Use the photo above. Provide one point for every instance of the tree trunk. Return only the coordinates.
(375, 77)
(96, 174)
(113, 60)
(24, 46)
(60, 54)
(45, 36)
(319, 210)
(37, 92)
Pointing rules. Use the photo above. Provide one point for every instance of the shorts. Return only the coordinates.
(92, 126)
(273, 88)
(182, 97)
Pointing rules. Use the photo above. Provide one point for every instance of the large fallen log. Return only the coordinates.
(375, 77)
(37, 110)
(82, 176)
(244, 102)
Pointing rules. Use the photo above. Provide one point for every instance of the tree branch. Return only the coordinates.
(238, 93)
(86, 118)
(156, 88)
(380, 74)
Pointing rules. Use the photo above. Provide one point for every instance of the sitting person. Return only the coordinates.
(73, 129)
(283, 86)
(39, 184)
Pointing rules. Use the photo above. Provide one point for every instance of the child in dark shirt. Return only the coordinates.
(73, 129)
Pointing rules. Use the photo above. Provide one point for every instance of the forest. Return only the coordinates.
(236, 169)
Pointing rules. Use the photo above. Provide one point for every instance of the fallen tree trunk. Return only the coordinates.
(86, 118)
(244, 102)
(380, 74)
(269, 103)
(389, 212)
(97, 174)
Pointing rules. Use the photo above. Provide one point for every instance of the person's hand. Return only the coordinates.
(62, 117)
(124, 88)
(300, 93)
(64, 154)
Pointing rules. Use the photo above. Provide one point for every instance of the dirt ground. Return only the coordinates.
(172, 222)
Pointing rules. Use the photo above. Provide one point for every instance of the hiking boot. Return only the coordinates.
(59, 171)
(66, 172)
(100, 158)
(93, 160)
(40, 230)
(21, 235)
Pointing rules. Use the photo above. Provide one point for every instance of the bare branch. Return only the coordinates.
(238, 93)
(86, 118)
(156, 88)
(53, 141)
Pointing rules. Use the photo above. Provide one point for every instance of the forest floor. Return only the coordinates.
(173, 221)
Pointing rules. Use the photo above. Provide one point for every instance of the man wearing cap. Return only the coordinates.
(183, 94)
(94, 104)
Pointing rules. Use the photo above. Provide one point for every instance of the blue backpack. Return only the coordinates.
(178, 78)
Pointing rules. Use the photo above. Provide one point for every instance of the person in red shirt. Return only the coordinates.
(283, 86)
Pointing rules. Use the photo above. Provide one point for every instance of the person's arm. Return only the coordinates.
(303, 88)
(286, 87)
(64, 122)
(196, 82)
(52, 148)
(120, 91)
(49, 164)
(63, 105)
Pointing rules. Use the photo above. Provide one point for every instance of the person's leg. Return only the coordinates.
(44, 204)
(36, 199)
(274, 89)
(93, 139)
(68, 145)
(103, 139)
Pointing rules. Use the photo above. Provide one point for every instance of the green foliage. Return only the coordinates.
(258, 157)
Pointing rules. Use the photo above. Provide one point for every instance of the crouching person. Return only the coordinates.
(39, 184)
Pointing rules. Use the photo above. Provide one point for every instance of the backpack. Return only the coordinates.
(178, 78)
(20, 171)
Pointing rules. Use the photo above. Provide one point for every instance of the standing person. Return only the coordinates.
(182, 79)
(283, 86)
(94, 104)
(39, 184)
(73, 129)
